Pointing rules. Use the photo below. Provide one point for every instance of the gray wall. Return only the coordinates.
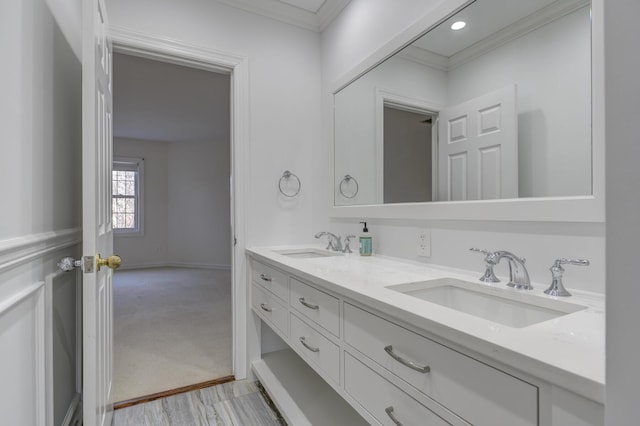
(151, 248)
(187, 206)
(408, 166)
(623, 210)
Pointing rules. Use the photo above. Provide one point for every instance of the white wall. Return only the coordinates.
(186, 205)
(198, 220)
(150, 249)
(623, 204)
(359, 31)
(285, 113)
(40, 107)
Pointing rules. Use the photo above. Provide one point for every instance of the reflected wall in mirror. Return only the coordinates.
(498, 109)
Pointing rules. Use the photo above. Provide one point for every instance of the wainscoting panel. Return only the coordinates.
(33, 327)
(22, 357)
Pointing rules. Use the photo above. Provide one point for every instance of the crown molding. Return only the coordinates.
(329, 11)
(425, 57)
(289, 14)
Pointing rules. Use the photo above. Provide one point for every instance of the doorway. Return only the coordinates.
(172, 221)
(408, 154)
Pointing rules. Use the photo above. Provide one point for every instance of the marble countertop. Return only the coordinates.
(568, 351)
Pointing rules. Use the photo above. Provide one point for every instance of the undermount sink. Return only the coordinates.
(509, 307)
(307, 253)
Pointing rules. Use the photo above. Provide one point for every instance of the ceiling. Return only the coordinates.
(159, 101)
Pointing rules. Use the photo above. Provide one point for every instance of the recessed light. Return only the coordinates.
(458, 25)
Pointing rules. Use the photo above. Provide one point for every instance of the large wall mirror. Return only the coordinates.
(500, 109)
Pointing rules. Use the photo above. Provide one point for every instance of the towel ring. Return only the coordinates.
(346, 180)
(285, 189)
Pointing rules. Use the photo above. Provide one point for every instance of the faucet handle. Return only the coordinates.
(557, 288)
(490, 260)
(485, 251)
(347, 239)
(564, 261)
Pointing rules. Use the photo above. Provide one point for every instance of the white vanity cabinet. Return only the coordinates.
(385, 370)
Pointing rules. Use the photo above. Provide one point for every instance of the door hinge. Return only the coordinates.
(235, 241)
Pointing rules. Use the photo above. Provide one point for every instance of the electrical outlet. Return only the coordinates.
(424, 243)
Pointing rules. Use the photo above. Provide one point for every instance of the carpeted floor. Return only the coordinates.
(172, 328)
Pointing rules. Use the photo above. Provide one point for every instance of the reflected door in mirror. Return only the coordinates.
(478, 148)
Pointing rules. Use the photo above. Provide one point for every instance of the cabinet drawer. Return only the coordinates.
(382, 399)
(268, 306)
(315, 348)
(478, 393)
(316, 305)
(272, 279)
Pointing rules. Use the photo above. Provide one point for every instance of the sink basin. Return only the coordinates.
(504, 306)
(307, 253)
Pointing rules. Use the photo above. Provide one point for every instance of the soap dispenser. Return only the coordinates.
(366, 241)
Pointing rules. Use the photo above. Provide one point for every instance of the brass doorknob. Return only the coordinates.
(112, 262)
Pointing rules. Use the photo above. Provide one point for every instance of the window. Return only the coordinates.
(127, 201)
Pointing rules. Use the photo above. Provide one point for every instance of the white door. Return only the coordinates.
(478, 148)
(96, 215)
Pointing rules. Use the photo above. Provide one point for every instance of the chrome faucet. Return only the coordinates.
(518, 274)
(335, 243)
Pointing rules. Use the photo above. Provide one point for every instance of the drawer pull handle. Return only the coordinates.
(389, 411)
(264, 308)
(308, 305)
(306, 345)
(265, 277)
(410, 364)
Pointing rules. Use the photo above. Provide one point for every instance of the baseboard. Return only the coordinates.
(197, 265)
(127, 266)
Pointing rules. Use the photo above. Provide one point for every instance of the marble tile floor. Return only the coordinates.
(238, 403)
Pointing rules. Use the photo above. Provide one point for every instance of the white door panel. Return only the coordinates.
(97, 226)
(478, 148)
